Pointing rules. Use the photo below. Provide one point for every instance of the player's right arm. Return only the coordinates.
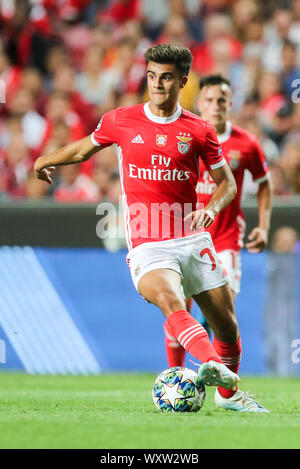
(75, 152)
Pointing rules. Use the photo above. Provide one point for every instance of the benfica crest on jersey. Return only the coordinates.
(161, 140)
(184, 142)
(235, 156)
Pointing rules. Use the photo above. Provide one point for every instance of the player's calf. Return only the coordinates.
(217, 306)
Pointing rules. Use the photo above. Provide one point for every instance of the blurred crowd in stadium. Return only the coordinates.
(65, 62)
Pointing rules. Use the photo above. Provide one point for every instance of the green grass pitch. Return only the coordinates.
(116, 411)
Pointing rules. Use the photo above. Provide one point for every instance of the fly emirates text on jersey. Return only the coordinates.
(158, 174)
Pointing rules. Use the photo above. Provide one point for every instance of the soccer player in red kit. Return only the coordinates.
(159, 145)
(242, 151)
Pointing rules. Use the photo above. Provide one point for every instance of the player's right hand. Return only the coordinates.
(45, 174)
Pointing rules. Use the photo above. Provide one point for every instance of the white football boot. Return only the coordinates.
(217, 374)
(240, 402)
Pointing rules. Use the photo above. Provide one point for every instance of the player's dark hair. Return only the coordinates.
(212, 80)
(179, 56)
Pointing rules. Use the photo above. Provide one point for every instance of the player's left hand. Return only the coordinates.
(258, 239)
(200, 218)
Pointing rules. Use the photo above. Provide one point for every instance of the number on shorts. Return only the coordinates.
(209, 253)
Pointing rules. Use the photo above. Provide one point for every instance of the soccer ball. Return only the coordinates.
(178, 389)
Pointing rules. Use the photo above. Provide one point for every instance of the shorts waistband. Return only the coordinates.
(166, 242)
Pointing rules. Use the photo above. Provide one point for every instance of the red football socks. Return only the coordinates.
(231, 357)
(175, 352)
(192, 336)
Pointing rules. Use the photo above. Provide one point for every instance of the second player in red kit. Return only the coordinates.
(242, 152)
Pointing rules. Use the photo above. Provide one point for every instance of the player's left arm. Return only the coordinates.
(258, 238)
(224, 194)
(221, 173)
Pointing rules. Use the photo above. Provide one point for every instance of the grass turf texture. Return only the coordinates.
(116, 411)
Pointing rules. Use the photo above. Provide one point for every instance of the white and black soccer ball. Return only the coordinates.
(178, 389)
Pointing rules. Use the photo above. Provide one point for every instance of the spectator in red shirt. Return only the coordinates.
(271, 97)
(75, 187)
(11, 76)
(175, 31)
(59, 108)
(32, 81)
(33, 124)
(64, 81)
(16, 162)
(120, 11)
(217, 26)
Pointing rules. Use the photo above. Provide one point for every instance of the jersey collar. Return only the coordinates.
(225, 136)
(162, 120)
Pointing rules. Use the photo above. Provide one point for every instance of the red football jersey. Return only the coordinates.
(242, 151)
(159, 168)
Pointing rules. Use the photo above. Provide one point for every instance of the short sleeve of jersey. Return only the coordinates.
(257, 163)
(105, 133)
(212, 155)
